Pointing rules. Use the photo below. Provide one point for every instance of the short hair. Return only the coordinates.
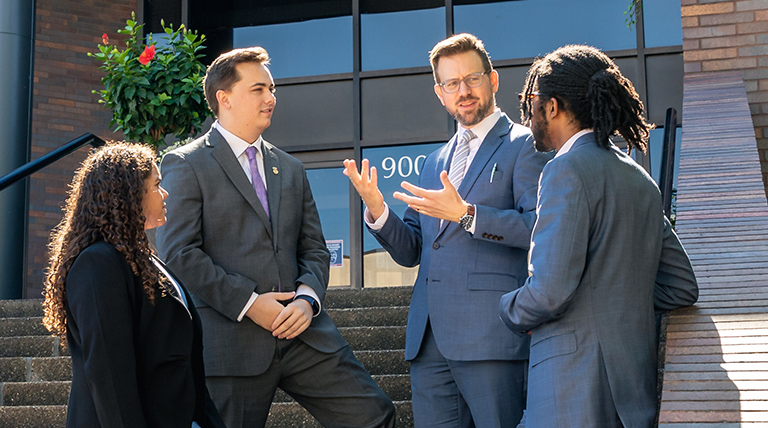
(222, 75)
(456, 44)
(104, 204)
(589, 85)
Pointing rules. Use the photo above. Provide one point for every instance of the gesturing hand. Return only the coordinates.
(366, 184)
(444, 204)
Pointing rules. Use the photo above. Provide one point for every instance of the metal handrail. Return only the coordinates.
(668, 160)
(30, 168)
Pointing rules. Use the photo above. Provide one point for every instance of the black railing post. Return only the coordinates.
(17, 29)
(668, 160)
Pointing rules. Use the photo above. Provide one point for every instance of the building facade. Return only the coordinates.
(353, 81)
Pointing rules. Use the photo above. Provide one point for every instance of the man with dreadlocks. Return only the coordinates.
(602, 255)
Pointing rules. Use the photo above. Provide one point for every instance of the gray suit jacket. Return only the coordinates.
(463, 276)
(603, 255)
(221, 244)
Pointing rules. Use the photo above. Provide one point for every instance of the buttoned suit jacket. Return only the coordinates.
(220, 242)
(131, 357)
(462, 276)
(602, 257)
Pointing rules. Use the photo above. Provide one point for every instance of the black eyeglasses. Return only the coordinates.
(529, 96)
(472, 81)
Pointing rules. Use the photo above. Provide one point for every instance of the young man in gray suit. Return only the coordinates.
(244, 235)
(468, 227)
(603, 254)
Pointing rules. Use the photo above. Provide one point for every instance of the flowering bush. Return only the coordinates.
(154, 89)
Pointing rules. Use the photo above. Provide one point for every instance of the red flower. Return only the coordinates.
(147, 55)
(105, 39)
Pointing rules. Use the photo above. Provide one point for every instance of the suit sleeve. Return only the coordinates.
(311, 252)
(558, 251)
(676, 284)
(179, 242)
(516, 223)
(100, 305)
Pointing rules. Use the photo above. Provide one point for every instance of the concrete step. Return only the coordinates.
(21, 308)
(292, 415)
(373, 316)
(367, 297)
(33, 417)
(35, 393)
(384, 362)
(397, 388)
(31, 346)
(35, 369)
(374, 338)
(26, 326)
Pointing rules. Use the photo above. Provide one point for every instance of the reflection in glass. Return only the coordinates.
(663, 23)
(308, 48)
(524, 29)
(330, 187)
(400, 39)
(394, 165)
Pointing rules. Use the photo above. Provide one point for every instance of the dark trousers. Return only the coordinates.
(465, 394)
(335, 388)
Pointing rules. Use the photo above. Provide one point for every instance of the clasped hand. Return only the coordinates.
(285, 322)
(445, 203)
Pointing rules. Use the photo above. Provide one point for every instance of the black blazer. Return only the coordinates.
(134, 363)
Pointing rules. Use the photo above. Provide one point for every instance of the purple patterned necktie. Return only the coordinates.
(258, 184)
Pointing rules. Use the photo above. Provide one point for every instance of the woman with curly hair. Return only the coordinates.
(134, 336)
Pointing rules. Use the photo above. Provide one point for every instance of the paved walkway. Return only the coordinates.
(716, 372)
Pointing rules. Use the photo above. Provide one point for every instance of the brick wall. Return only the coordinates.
(732, 35)
(64, 107)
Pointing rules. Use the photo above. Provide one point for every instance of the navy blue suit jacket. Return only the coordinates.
(462, 276)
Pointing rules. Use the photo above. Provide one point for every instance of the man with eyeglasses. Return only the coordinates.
(468, 227)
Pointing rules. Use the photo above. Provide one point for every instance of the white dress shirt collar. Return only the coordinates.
(237, 144)
(568, 144)
(482, 129)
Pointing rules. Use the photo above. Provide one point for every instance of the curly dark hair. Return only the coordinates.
(589, 85)
(104, 204)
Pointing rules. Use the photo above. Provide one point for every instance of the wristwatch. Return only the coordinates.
(312, 302)
(467, 219)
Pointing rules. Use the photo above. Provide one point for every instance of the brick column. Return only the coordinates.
(732, 35)
(64, 107)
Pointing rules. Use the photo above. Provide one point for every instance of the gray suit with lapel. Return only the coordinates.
(602, 256)
(220, 242)
(462, 276)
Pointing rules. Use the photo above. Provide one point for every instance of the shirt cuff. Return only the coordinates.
(247, 306)
(307, 290)
(379, 223)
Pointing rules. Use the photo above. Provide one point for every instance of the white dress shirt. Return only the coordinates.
(238, 146)
(480, 130)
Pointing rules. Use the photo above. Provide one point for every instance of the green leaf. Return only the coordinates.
(130, 91)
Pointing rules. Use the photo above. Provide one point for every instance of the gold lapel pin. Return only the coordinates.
(274, 170)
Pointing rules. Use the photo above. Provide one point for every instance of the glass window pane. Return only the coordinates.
(308, 48)
(330, 187)
(663, 23)
(400, 39)
(530, 28)
(394, 165)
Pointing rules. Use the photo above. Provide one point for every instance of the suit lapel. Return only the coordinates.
(221, 151)
(484, 153)
(272, 177)
(443, 163)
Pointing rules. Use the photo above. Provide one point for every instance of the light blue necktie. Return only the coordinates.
(459, 162)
